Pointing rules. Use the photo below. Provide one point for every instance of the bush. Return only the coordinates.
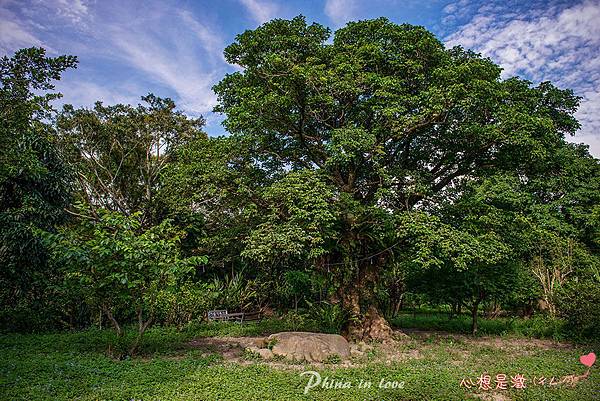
(579, 305)
(237, 292)
(330, 318)
(190, 301)
(48, 305)
(294, 320)
(116, 262)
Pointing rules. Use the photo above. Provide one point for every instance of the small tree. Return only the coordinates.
(457, 266)
(117, 264)
(297, 285)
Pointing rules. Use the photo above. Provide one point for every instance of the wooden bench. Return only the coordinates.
(222, 315)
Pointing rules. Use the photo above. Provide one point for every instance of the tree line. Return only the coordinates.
(364, 170)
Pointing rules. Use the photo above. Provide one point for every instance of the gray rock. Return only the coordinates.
(265, 353)
(310, 347)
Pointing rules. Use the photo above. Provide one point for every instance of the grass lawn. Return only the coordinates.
(431, 364)
(539, 326)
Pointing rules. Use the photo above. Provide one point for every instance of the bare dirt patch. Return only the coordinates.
(418, 344)
(230, 348)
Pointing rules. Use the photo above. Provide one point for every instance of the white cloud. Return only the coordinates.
(165, 49)
(24, 24)
(74, 10)
(86, 93)
(170, 46)
(544, 43)
(212, 43)
(171, 64)
(260, 10)
(341, 11)
(588, 115)
(14, 34)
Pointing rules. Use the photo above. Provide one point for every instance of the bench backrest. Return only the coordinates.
(217, 314)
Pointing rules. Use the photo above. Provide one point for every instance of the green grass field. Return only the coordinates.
(66, 366)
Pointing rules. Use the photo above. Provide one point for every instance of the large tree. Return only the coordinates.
(34, 181)
(356, 132)
(119, 152)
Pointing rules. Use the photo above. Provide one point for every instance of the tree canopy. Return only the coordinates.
(120, 151)
(34, 179)
(380, 122)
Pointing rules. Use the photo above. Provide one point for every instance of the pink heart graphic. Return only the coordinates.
(588, 360)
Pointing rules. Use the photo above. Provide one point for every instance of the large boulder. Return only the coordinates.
(310, 347)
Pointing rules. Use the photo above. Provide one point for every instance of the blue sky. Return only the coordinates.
(174, 48)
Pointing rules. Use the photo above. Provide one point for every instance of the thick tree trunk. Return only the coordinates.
(358, 298)
(475, 311)
(474, 318)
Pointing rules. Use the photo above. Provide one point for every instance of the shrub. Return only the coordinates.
(330, 318)
(188, 302)
(579, 305)
(295, 321)
(117, 263)
(236, 292)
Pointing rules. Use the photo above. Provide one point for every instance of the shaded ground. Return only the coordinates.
(509, 342)
(464, 352)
